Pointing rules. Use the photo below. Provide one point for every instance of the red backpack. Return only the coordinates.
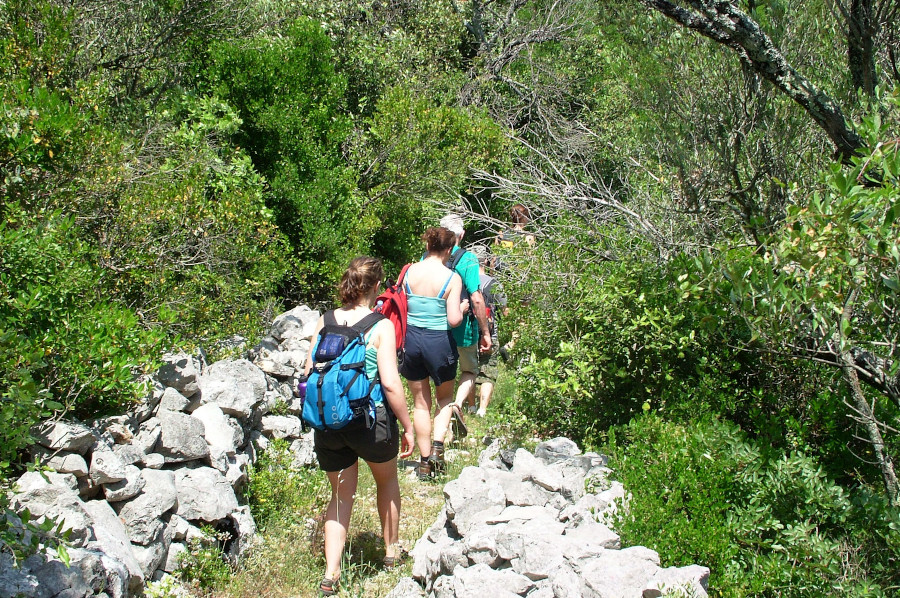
(392, 305)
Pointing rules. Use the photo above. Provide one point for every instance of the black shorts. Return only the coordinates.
(429, 353)
(339, 449)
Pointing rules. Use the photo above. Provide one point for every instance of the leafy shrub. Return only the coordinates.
(278, 493)
(289, 99)
(74, 341)
(203, 564)
(614, 341)
(779, 526)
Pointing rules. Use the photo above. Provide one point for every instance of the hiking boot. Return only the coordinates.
(438, 465)
(425, 469)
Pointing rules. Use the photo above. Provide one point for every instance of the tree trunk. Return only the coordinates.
(725, 23)
(866, 416)
(865, 413)
(861, 30)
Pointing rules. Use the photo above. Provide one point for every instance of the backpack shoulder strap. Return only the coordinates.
(402, 276)
(455, 258)
(329, 319)
(367, 322)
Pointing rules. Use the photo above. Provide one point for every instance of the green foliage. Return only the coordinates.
(203, 564)
(74, 341)
(290, 100)
(193, 245)
(280, 494)
(615, 341)
(417, 154)
(765, 526)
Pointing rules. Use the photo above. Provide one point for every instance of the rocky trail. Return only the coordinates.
(137, 489)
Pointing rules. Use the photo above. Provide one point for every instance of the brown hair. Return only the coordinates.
(438, 238)
(361, 275)
(519, 214)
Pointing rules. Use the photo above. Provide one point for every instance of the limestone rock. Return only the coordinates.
(219, 430)
(61, 503)
(172, 400)
(106, 467)
(687, 582)
(481, 580)
(127, 488)
(64, 436)
(180, 373)
(181, 438)
(245, 532)
(556, 449)
(63, 462)
(142, 515)
(281, 426)
(172, 561)
(112, 539)
(152, 556)
(204, 494)
(31, 480)
(304, 452)
(298, 323)
(407, 588)
(148, 435)
(472, 498)
(237, 387)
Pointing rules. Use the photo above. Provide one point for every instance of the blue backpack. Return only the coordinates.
(338, 392)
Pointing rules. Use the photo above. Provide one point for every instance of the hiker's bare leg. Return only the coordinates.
(444, 397)
(466, 385)
(337, 516)
(470, 398)
(487, 391)
(388, 500)
(421, 393)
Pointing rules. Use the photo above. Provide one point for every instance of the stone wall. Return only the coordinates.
(135, 489)
(538, 525)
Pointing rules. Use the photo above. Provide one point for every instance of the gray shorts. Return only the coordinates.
(487, 367)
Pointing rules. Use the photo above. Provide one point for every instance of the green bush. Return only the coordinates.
(290, 102)
(203, 564)
(80, 346)
(703, 493)
(279, 494)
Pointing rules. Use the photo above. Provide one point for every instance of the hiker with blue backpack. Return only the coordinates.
(354, 398)
(433, 310)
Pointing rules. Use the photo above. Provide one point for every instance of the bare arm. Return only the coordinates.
(386, 345)
(307, 368)
(454, 313)
(478, 308)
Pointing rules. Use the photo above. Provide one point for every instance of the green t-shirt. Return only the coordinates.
(466, 334)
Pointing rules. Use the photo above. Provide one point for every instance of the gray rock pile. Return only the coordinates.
(523, 524)
(136, 489)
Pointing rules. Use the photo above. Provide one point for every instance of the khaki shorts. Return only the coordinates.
(468, 359)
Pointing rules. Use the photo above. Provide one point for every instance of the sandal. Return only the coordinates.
(328, 586)
(460, 430)
(394, 561)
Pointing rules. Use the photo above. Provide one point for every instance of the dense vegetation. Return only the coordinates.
(714, 188)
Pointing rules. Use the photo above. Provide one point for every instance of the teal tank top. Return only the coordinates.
(372, 362)
(429, 313)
